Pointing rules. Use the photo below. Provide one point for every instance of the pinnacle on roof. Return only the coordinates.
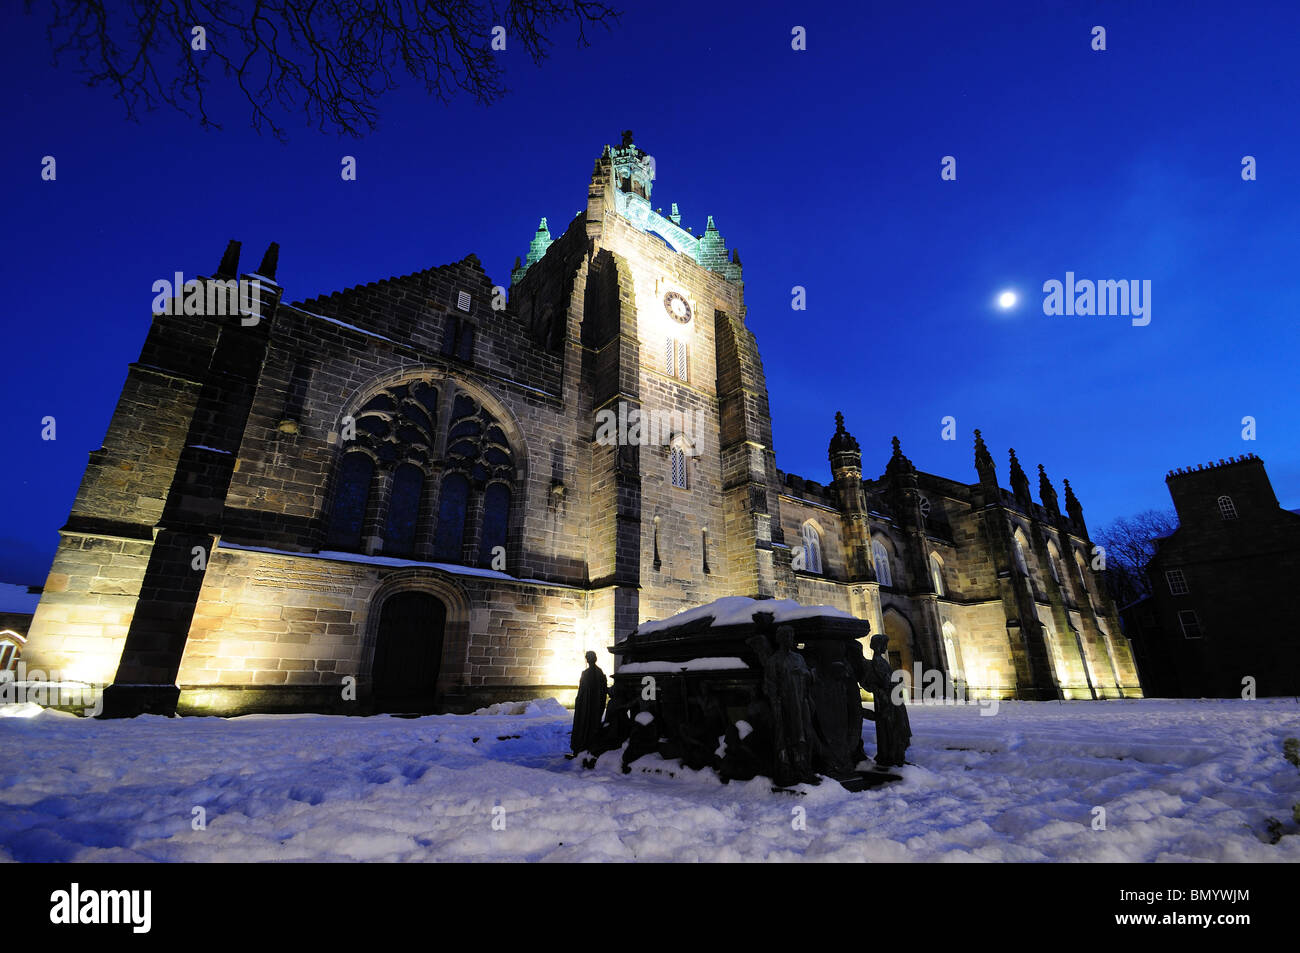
(984, 465)
(898, 463)
(1046, 492)
(1019, 482)
(842, 441)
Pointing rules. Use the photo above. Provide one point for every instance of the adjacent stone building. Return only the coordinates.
(1215, 624)
(431, 492)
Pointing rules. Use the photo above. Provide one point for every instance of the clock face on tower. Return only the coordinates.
(678, 308)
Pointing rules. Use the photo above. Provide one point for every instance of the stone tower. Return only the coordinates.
(681, 511)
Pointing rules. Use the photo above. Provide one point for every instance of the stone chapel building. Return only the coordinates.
(431, 493)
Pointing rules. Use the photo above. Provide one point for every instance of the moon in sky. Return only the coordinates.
(1007, 299)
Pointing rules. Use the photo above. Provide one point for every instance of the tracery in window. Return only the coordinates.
(436, 487)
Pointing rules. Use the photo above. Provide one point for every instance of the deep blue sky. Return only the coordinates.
(821, 166)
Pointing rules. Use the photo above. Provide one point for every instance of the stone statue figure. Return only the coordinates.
(589, 709)
(893, 730)
(834, 743)
(787, 684)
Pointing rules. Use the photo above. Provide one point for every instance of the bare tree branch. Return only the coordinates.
(332, 59)
(1130, 542)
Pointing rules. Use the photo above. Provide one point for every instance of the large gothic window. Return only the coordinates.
(427, 473)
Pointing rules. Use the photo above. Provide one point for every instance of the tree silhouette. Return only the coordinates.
(330, 58)
(1130, 543)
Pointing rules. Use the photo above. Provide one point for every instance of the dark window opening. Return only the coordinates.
(403, 509)
(496, 513)
(449, 543)
(349, 514)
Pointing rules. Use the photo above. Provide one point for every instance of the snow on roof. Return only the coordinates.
(343, 324)
(535, 390)
(17, 599)
(734, 610)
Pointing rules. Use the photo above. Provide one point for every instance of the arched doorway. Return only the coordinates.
(408, 651)
(899, 632)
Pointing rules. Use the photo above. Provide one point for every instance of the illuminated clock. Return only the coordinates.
(678, 308)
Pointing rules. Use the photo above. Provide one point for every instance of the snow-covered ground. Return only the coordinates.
(1178, 781)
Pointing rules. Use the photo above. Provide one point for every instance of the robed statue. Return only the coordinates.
(589, 708)
(787, 685)
(893, 730)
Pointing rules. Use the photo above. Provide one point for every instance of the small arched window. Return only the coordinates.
(936, 574)
(1022, 563)
(1083, 574)
(1110, 651)
(1054, 651)
(950, 649)
(884, 572)
(1227, 509)
(10, 648)
(350, 499)
(678, 461)
(1053, 557)
(812, 548)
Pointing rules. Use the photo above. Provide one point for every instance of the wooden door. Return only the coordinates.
(408, 651)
